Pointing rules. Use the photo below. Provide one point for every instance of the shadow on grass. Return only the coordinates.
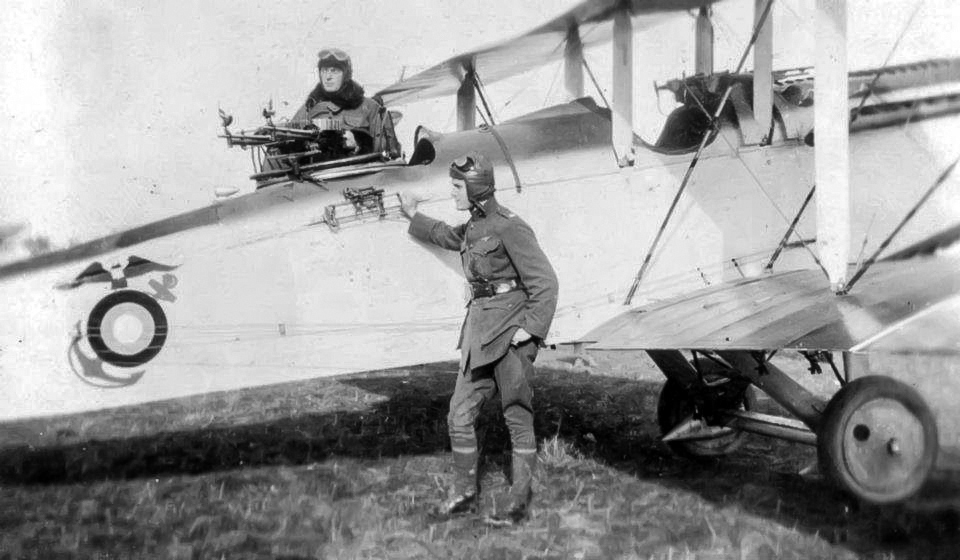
(403, 413)
(228, 431)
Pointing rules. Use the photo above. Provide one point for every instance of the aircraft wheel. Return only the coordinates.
(675, 405)
(127, 328)
(878, 440)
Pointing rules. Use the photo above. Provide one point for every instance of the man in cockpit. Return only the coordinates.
(514, 296)
(337, 105)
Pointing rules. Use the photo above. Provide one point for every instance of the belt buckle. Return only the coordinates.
(478, 290)
(505, 287)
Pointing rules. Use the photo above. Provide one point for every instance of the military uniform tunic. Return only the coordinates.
(496, 246)
(370, 119)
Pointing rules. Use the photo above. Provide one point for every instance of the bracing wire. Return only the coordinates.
(756, 180)
(596, 85)
(693, 163)
(886, 242)
(886, 62)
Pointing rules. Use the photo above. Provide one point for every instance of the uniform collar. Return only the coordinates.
(490, 206)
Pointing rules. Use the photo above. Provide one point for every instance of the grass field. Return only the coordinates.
(350, 468)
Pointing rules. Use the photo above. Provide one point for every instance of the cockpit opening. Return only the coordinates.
(685, 126)
(424, 151)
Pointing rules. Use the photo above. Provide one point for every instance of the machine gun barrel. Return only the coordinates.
(283, 133)
(247, 139)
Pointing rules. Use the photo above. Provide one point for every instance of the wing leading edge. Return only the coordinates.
(539, 46)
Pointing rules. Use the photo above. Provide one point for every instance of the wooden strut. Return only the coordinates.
(696, 157)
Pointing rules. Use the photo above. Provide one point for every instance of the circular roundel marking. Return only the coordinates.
(127, 328)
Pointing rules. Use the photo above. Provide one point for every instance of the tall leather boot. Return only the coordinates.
(462, 498)
(517, 508)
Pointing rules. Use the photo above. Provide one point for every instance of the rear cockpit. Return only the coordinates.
(878, 97)
(700, 96)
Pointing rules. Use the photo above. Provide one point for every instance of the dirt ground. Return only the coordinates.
(350, 468)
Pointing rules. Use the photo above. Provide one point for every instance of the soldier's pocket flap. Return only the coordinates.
(506, 302)
(485, 245)
(353, 121)
(506, 328)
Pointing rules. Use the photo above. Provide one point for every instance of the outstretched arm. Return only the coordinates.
(428, 229)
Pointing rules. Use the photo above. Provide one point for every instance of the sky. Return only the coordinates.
(109, 110)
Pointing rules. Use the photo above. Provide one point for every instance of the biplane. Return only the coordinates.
(312, 274)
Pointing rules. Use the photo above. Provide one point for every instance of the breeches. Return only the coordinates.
(510, 377)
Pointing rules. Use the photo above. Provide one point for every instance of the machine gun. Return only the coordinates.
(286, 151)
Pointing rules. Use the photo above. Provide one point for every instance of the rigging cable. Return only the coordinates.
(616, 156)
(703, 144)
(490, 127)
(759, 184)
(886, 62)
(923, 199)
(790, 230)
(482, 92)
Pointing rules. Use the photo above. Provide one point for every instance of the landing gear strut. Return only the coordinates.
(676, 407)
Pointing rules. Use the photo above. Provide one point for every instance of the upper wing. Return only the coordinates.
(898, 307)
(533, 49)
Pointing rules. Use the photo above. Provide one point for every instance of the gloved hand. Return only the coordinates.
(350, 141)
(409, 203)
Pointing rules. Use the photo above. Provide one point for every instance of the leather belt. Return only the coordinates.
(490, 289)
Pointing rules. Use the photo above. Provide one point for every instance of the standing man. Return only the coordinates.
(514, 296)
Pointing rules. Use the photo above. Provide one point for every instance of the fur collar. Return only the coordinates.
(349, 96)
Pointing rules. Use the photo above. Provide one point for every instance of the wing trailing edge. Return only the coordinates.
(541, 45)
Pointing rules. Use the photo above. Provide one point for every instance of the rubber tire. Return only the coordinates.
(830, 437)
(674, 405)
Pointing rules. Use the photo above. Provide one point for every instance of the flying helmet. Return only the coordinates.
(336, 58)
(477, 172)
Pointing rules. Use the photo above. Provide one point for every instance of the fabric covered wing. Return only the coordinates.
(533, 49)
(898, 307)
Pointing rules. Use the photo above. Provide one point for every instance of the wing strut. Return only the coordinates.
(693, 163)
(763, 75)
(467, 98)
(832, 143)
(573, 62)
(621, 115)
(704, 43)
